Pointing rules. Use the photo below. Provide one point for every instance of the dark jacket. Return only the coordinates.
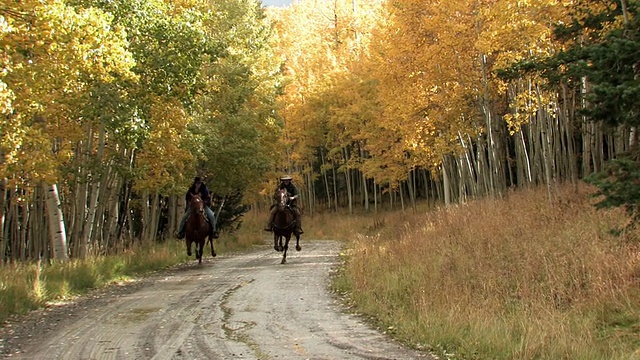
(203, 192)
(292, 190)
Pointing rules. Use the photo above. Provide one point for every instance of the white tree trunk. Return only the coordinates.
(446, 183)
(323, 170)
(154, 217)
(347, 176)
(375, 197)
(3, 217)
(310, 192)
(57, 230)
(145, 214)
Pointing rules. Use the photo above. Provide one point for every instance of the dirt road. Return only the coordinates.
(237, 306)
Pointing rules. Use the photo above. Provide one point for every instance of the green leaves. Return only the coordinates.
(602, 47)
(234, 114)
(619, 185)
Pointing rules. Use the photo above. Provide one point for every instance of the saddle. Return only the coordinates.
(206, 218)
(288, 207)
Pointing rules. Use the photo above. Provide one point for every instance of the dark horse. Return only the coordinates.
(284, 224)
(197, 228)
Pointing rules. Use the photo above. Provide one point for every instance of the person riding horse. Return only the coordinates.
(198, 188)
(294, 193)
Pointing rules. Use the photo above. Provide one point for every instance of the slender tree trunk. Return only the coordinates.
(24, 230)
(411, 184)
(466, 165)
(39, 244)
(365, 191)
(310, 191)
(446, 183)
(525, 159)
(90, 223)
(57, 229)
(112, 214)
(347, 176)
(625, 13)
(324, 176)
(13, 229)
(173, 220)
(375, 197)
(335, 189)
(145, 214)
(566, 113)
(106, 195)
(3, 218)
(546, 150)
(482, 167)
(154, 217)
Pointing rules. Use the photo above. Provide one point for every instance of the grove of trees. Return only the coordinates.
(450, 100)
(109, 108)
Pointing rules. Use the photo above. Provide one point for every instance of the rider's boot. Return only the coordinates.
(181, 232)
(269, 226)
(213, 234)
(298, 230)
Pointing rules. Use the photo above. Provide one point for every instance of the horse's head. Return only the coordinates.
(282, 198)
(196, 203)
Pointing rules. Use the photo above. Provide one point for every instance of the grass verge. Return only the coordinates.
(517, 278)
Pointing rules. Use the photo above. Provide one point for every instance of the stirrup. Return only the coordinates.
(180, 235)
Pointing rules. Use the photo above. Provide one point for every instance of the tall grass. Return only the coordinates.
(28, 286)
(516, 278)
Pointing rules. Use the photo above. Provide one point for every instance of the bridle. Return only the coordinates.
(199, 206)
(282, 198)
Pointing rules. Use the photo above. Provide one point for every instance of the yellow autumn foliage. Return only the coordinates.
(52, 53)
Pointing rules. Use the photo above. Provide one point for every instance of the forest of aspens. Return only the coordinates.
(109, 109)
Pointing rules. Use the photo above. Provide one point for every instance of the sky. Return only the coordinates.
(276, 2)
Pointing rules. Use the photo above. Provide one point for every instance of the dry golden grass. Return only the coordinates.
(509, 279)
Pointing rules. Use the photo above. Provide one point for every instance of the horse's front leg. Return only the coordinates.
(188, 247)
(200, 251)
(213, 252)
(286, 247)
(275, 242)
(298, 248)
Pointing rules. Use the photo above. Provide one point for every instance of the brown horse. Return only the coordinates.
(284, 224)
(197, 228)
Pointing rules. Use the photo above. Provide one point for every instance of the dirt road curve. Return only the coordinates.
(240, 306)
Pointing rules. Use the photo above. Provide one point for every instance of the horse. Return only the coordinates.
(197, 228)
(284, 224)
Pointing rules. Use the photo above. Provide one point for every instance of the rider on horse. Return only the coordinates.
(294, 193)
(198, 188)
